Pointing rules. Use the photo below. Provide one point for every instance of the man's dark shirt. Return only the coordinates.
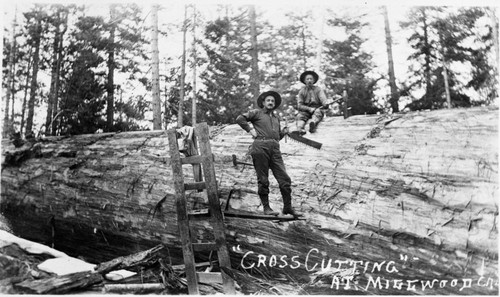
(265, 123)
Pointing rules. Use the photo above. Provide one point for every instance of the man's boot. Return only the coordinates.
(267, 209)
(287, 207)
(312, 127)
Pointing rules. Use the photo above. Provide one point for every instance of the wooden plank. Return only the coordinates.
(255, 216)
(182, 216)
(195, 186)
(129, 261)
(217, 220)
(210, 277)
(204, 246)
(133, 288)
(198, 265)
(60, 284)
(196, 159)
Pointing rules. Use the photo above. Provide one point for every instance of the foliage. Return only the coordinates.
(348, 67)
(223, 60)
(286, 52)
(227, 92)
(441, 37)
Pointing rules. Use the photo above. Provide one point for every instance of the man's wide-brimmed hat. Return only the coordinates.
(277, 99)
(305, 73)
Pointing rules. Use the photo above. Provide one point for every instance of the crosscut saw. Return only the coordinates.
(295, 135)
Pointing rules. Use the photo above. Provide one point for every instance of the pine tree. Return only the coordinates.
(442, 37)
(228, 68)
(58, 19)
(7, 122)
(36, 18)
(125, 49)
(348, 65)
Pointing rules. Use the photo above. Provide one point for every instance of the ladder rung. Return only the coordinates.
(204, 246)
(199, 214)
(195, 186)
(197, 265)
(209, 277)
(196, 159)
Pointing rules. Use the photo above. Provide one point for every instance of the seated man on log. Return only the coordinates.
(265, 150)
(311, 103)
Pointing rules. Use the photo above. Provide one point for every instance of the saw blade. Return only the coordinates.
(294, 135)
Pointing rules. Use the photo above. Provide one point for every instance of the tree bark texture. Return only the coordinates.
(394, 101)
(34, 75)
(195, 65)
(254, 52)
(156, 70)
(180, 114)
(110, 84)
(23, 109)
(53, 78)
(419, 189)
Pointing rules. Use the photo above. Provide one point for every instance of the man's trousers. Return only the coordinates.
(266, 155)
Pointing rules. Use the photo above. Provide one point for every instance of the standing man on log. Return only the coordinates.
(265, 150)
(311, 102)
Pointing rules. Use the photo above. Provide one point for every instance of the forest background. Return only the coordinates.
(87, 67)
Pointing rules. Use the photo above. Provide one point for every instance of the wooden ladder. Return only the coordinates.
(205, 159)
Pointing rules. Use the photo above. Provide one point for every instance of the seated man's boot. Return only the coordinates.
(267, 209)
(312, 127)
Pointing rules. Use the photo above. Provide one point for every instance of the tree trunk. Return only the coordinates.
(7, 124)
(53, 79)
(60, 55)
(445, 70)
(13, 93)
(23, 109)
(427, 53)
(33, 87)
(195, 63)
(156, 70)
(110, 110)
(392, 78)
(254, 53)
(180, 115)
(415, 189)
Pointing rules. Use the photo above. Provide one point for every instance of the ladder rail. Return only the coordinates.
(182, 214)
(214, 204)
(206, 181)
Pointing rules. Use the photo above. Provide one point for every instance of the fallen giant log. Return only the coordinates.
(391, 202)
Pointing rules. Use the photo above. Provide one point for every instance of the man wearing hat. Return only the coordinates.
(310, 102)
(265, 150)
